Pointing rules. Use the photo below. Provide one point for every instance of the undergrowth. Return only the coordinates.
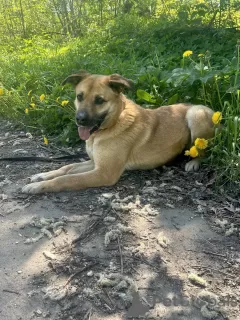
(148, 51)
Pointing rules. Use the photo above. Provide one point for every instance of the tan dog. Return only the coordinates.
(122, 135)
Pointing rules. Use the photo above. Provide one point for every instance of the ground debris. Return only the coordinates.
(195, 279)
(115, 232)
(208, 303)
(123, 287)
(48, 227)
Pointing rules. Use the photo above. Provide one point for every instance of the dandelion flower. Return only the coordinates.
(201, 143)
(193, 152)
(187, 53)
(64, 102)
(200, 55)
(42, 97)
(1, 91)
(29, 92)
(26, 110)
(33, 105)
(45, 140)
(216, 117)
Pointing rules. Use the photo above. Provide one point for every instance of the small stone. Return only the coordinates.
(90, 273)
(48, 255)
(20, 151)
(29, 135)
(107, 195)
(169, 205)
(16, 143)
(109, 219)
(38, 313)
(3, 196)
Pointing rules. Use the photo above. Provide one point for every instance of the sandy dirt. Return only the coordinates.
(161, 244)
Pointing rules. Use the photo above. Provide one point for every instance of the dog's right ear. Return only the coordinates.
(119, 83)
(75, 78)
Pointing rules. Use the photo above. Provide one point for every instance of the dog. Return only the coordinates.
(121, 135)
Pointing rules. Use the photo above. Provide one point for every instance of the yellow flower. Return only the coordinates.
(64, 102)
(26, 110)
(29, 92)
(45, 140)
(187, 53)
(216, 117)
(201, 143)
(1, 91)
(33, 105)
(193, 152)
(42, 97)
(201, 55)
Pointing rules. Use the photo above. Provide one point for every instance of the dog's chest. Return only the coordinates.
(89, 148)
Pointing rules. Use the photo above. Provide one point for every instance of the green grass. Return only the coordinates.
(145, 50)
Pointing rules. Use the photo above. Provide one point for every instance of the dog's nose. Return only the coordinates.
(82, 117)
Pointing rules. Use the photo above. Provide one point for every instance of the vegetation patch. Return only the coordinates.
(175, 52)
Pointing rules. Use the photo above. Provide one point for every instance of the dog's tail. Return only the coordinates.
(199, 120)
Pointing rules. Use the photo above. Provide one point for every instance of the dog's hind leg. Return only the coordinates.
(68, 169)
(199, 120)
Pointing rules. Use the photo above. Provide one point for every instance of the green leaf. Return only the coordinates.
(173, 99)
(143, 95)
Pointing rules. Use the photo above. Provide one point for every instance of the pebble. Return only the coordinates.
(38, 312)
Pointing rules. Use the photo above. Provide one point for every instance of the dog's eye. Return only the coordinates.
(80, 96)
(99, 100)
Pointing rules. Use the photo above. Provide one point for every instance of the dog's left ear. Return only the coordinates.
(75, 78)
(119, 83)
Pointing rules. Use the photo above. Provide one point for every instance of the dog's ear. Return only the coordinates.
(119, 83)
(75, 78)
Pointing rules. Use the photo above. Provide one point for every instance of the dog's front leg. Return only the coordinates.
(108, 167)
(68, 169)
(94, 178)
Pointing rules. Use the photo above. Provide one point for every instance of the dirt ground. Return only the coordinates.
(161, 244)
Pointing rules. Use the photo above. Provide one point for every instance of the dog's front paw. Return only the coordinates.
(34, 188)
(38, 177)
(192, 165)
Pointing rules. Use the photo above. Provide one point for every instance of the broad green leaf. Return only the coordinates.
(173, 99)
(143, 95)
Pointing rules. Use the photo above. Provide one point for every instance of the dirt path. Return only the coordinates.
(161, 244)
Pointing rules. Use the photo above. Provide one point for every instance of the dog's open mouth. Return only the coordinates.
(85, 132)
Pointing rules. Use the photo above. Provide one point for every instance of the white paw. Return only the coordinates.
(33, 188)
(192, 165)
(38, 177)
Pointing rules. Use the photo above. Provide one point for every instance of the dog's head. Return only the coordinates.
(98, 100)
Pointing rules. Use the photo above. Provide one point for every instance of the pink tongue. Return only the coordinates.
(84, 132)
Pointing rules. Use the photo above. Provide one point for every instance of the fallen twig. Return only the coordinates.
(215, 254)
(88, 315)
(11, 291)
(120, 252)
(110, 299)
(78, 272)
(90, 229)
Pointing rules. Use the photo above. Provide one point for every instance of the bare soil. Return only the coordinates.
(161, 244)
